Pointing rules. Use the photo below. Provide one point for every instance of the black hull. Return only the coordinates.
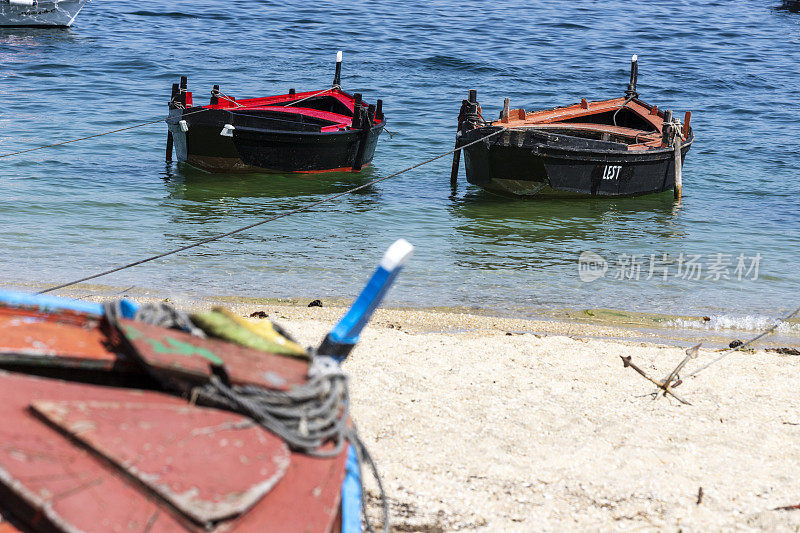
(255, 145)
(535, 163)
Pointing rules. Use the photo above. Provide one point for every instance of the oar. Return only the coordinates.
(456, 162)
(169, 147)
(344, 336)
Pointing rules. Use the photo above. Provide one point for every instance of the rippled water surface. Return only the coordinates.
(76, 209)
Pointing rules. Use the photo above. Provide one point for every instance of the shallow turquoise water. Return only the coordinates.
(73, 210)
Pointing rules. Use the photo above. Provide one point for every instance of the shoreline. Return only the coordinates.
(715, 331)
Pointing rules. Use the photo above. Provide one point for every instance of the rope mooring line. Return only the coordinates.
(742, 346)
(269, 219)
(143, 124)
(673, 380)
(94, 136)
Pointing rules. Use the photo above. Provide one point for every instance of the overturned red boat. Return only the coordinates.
(314, 131)
(129, 417)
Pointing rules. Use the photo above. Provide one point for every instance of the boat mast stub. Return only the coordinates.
(337, 78)
(630, 92)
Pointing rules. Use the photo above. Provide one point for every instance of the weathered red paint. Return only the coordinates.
(183, 357)
(50, 479)
(167, 449)
(555, 117)
(279, 103)
(59, 339)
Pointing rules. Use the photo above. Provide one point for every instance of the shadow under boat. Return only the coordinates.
(204, 195)
(498, 232)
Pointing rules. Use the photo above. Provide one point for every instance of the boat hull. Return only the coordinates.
(535, 163)
(252, 148)
(49, 13)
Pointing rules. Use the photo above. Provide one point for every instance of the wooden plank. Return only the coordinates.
(47, 479)
(186, 360)
(64, 339)
(167, 448)
(62, 484)
(550, 116)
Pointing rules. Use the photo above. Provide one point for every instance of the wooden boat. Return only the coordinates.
(61, 13)
(314, 131)
(617, 147)
(107, 423)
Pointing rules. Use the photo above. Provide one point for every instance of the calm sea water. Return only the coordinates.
(73, 210)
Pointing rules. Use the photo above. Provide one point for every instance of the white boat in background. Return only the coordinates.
(39, 12)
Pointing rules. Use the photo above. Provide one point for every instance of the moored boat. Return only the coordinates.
(61, 13)
(314, 131)
(617, 147)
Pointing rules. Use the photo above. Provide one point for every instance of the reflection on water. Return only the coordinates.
(205, 195)
(507, 233)
(82, 207)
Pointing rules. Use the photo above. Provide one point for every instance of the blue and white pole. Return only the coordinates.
(344, 336)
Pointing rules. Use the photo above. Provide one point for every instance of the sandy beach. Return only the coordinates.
(485, 423)
(478, 423)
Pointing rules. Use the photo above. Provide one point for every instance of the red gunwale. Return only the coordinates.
(554, 118)
(270, 103)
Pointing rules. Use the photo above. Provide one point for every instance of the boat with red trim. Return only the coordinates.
(613, 148)
(314, 131)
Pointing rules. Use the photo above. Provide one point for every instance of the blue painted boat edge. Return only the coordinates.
(351, 494)
(49, 304)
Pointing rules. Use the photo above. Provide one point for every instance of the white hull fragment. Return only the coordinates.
(39, 12)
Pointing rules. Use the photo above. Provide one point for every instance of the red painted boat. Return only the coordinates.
(314, 131)
(120, 417)
(91, 439)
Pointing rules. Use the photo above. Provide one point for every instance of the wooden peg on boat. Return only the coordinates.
(357, 111)
(337, 77)
(686, 119)
(169, 146)
(506, 105)
(678, 166)
(184, 89)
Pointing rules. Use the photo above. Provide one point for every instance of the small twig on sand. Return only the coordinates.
(662, 386)
(788, 508)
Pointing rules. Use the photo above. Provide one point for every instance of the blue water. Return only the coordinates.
(73, 210)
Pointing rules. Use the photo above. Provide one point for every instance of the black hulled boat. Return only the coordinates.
(617, 147)
(315, 131)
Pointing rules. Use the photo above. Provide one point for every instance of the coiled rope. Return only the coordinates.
(307, 417)
(269, 219)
